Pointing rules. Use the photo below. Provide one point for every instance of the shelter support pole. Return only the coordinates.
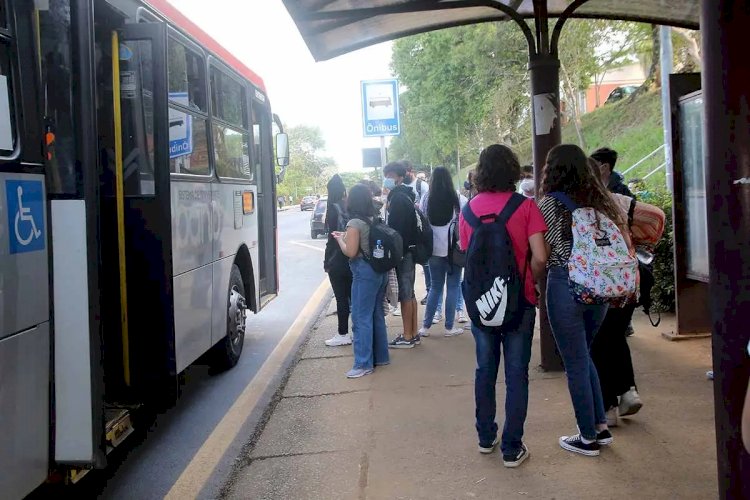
(726, 73)
(544, 72)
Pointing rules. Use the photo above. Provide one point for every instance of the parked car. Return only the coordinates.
(318, 219)
(620, 93)
(307, 203)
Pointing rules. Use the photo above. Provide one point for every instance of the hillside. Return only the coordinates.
(633, 129)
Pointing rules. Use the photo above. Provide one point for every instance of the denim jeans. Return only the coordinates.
(459, 300)
(574, 326)
(370, 340)
(516, 347)
(442, 273)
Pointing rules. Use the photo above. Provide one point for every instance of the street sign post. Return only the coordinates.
(380, 115)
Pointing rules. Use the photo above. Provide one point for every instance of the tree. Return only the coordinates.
(308, 169)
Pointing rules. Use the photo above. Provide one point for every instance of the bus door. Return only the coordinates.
(264, 166)
(136, 223)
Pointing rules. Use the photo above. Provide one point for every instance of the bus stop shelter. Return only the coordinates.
(334, 27)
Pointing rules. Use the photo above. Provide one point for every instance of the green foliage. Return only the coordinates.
(308, 169)
(663, 292)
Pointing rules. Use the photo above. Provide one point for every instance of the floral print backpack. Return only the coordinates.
(601, 269)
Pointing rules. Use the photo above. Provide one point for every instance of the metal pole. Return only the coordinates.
(544, 70)
(665, 41)
(382, 151)
(724, 26)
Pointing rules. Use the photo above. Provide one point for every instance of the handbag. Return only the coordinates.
(456, 256)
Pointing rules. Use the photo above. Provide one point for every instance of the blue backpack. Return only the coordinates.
(493, 287)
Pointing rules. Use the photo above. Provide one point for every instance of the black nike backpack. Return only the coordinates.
(493, 288)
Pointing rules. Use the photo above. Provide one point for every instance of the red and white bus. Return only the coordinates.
(137, 221)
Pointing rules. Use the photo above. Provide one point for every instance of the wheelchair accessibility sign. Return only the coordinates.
(25, 215)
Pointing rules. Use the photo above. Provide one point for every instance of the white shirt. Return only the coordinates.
(425, 189)
(441, 236)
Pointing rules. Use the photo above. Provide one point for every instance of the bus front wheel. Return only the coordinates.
(227, 352)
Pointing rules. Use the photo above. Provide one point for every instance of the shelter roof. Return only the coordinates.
(334, 27)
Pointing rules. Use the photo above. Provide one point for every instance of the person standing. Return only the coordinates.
(368, 286)
(442, 208)
(402, 217)
(497, 203)
(335, 263)
(574, 324)
(614, 181)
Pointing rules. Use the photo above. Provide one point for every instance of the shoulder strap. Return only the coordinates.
(564, 199)
(470, 217)
(631, 212)
(510, 207)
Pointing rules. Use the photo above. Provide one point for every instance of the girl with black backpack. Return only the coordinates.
(368, 286)
(335, 262)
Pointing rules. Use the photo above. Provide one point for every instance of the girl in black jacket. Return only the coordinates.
(335, 263)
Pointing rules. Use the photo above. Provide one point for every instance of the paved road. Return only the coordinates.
(151, 463)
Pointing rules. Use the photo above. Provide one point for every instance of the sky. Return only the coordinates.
(302, 92)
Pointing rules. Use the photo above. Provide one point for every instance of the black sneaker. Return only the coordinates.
(576, 445)
(424, 301)
(401, 343)
(516, 459)
(629, 331)
(418, 340)
(604, 438)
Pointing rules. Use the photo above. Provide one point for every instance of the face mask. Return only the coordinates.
(467, 185)
(527, 186)
(389, 183)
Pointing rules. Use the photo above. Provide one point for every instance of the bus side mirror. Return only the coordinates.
(282, 154)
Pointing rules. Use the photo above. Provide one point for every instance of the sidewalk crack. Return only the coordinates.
(308, 396)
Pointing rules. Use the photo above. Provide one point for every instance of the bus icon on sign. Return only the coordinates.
(380, 101)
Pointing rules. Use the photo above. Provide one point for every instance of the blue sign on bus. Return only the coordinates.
(25, 201)
(380, 112)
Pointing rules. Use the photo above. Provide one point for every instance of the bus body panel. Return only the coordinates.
(24, 297)
(192, 225)
(74, 439)
(234, 230)
(192, 314)
(24, 411)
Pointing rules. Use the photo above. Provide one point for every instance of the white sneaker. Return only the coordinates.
(397, 311)
(437, 319)
(456, 330)
(630, 403)
(612, 417)
(424, 332)
(460, 317)
(338, 340)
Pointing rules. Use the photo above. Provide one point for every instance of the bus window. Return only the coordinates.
(186, 77)
(228, 98)
(54, 37)
(3, 15)
(188, 153)
(137, 102)
(7, 118)
(231, 150)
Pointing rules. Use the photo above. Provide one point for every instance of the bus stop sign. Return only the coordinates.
(380, 114)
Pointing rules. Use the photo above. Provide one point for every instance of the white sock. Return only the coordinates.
(587, 441)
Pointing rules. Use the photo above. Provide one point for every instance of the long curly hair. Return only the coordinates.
(568, 170)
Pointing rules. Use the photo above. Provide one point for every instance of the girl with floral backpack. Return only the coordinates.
(591, 267)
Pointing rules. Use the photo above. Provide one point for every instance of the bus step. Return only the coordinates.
(119, 426)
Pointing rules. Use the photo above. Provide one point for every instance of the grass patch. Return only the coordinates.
(633, 129)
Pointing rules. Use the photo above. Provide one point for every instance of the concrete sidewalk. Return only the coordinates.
(407, 431)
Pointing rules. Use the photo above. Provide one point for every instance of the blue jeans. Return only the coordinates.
(442, 273)
(368, 319)
(574, 326)
(517, 349)
(459, 300)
